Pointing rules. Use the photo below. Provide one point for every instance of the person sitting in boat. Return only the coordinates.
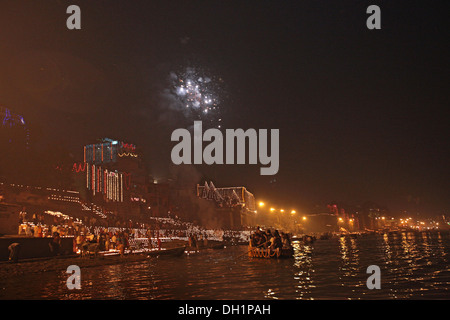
(254, 240)
(258, 238)
(275, 241)
(286, 241)
(266, 237)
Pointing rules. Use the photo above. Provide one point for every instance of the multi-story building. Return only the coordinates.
(113, 176)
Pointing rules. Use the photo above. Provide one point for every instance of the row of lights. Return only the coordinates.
(262, 204)
(38, 188)
(410, 222)
(64, 198)
(342, 220)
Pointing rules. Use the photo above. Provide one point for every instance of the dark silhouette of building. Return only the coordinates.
(14, 146)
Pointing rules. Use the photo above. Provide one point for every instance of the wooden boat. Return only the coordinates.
(325, 236)
(269, 253)
(352, 235)
(217, 246)
(304, 238)
(174, 252)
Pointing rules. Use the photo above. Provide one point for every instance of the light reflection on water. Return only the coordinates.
(413, 265)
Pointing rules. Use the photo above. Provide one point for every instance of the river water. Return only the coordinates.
(413, 266)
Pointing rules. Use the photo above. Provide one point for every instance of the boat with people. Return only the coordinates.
(268, 253)
(270, 244)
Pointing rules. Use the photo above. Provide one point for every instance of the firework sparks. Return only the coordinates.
(197, 95)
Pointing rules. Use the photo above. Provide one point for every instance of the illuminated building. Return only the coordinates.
(113, 177)
(13, 129)
(108, 151)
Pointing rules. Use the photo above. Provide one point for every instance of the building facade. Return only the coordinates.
(113, 176)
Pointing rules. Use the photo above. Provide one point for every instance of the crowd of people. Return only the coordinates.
(270, 239)
(118, 233)
(104, 241)
(196, 241)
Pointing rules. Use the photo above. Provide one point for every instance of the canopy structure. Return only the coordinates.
(228, 196)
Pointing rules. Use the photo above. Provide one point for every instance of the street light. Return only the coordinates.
(304, 218)
(293, 212)
(281, 210)
(261, 204)
(272, 209)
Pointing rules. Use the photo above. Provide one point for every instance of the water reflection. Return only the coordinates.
(350, 269)
(441, 246)
(387, 249)
(413, 266)
(305, 270)
(350, 257)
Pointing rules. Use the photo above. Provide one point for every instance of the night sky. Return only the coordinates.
(363, 114)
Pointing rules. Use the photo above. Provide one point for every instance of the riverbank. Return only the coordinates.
(60, 263)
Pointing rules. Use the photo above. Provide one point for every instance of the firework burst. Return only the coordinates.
(196, 95)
